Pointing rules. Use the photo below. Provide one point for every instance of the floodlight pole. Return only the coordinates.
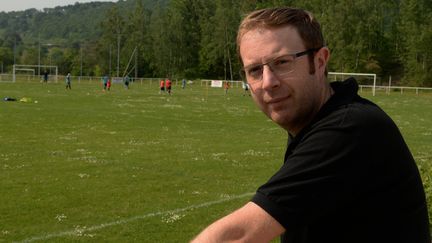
(14, 50)
(81, 64)
(39, 56)
(136, 63)
(118, 53)
(110, 64)
(13, 73)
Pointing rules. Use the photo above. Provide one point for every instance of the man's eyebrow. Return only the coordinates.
(253, 65)
(267, 61)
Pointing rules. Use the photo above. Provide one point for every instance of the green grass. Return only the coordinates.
(86, 165)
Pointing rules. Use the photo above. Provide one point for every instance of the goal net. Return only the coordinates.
(365, 80)
(29, 72)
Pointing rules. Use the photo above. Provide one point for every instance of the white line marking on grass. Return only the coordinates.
(81, 230)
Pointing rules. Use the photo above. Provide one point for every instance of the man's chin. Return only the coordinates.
(280, 118)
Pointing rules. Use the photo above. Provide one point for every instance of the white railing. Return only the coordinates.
(4, 77)
(387, 89)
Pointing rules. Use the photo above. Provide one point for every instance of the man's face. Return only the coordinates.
(290, 100)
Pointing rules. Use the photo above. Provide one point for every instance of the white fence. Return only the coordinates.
(23, 78)
(388, 89)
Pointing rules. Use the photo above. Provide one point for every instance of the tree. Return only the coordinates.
(6, 58)
(112, 37)
(184, 37)
(138, 42)
(30, 56)
(196, 38)
(415, 42)
(161, 50)
(218, 54)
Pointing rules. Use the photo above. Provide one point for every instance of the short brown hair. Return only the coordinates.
(303, 21)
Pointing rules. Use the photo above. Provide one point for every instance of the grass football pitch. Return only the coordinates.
(84, 165)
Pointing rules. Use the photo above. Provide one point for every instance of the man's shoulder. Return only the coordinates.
(358, 112)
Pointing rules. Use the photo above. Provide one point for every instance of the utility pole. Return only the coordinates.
(118, 53)
(39, 56)
(136, 63)
(109, 68)
(81, 63)
(14, 50)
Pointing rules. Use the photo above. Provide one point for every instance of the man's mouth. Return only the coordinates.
(276, 100)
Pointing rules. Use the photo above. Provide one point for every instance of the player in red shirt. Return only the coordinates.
(162, 86)
(168, 85)
(109, 84)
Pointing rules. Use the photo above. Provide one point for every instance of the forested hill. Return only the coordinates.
(64, 24)
(196, 38)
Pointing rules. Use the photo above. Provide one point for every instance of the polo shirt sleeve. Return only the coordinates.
(320, 175)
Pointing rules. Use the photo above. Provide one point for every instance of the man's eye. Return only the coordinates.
(282, 62)
(253, 71)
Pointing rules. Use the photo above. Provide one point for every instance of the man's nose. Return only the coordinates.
(269, 79)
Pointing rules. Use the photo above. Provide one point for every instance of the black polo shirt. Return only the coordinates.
(348, 177)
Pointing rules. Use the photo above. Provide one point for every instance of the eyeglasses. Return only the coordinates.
(280, 66)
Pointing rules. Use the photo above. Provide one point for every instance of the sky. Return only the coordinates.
(19, 5)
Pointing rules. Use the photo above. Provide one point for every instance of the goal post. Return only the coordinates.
(364, 75)
(32, 68)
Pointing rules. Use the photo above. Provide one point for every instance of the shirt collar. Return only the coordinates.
(344, 92)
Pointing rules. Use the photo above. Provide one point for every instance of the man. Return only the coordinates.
(183, 83)
(105, 82)
(162, 86)
(126, 81)
(108, 85)
(246, 88)
(348, 175)
(68, 81)
(168, 85)
(227, 86)
(45, 76)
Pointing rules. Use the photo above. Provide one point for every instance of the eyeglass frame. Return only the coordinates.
(243, 72)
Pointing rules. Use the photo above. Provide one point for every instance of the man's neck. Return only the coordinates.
(327, 93)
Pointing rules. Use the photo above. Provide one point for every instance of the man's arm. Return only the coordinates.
(247, 224)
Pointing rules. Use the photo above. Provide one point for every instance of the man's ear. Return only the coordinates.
(322, 57)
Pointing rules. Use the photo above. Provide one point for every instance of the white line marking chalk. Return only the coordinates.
(128, 220)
